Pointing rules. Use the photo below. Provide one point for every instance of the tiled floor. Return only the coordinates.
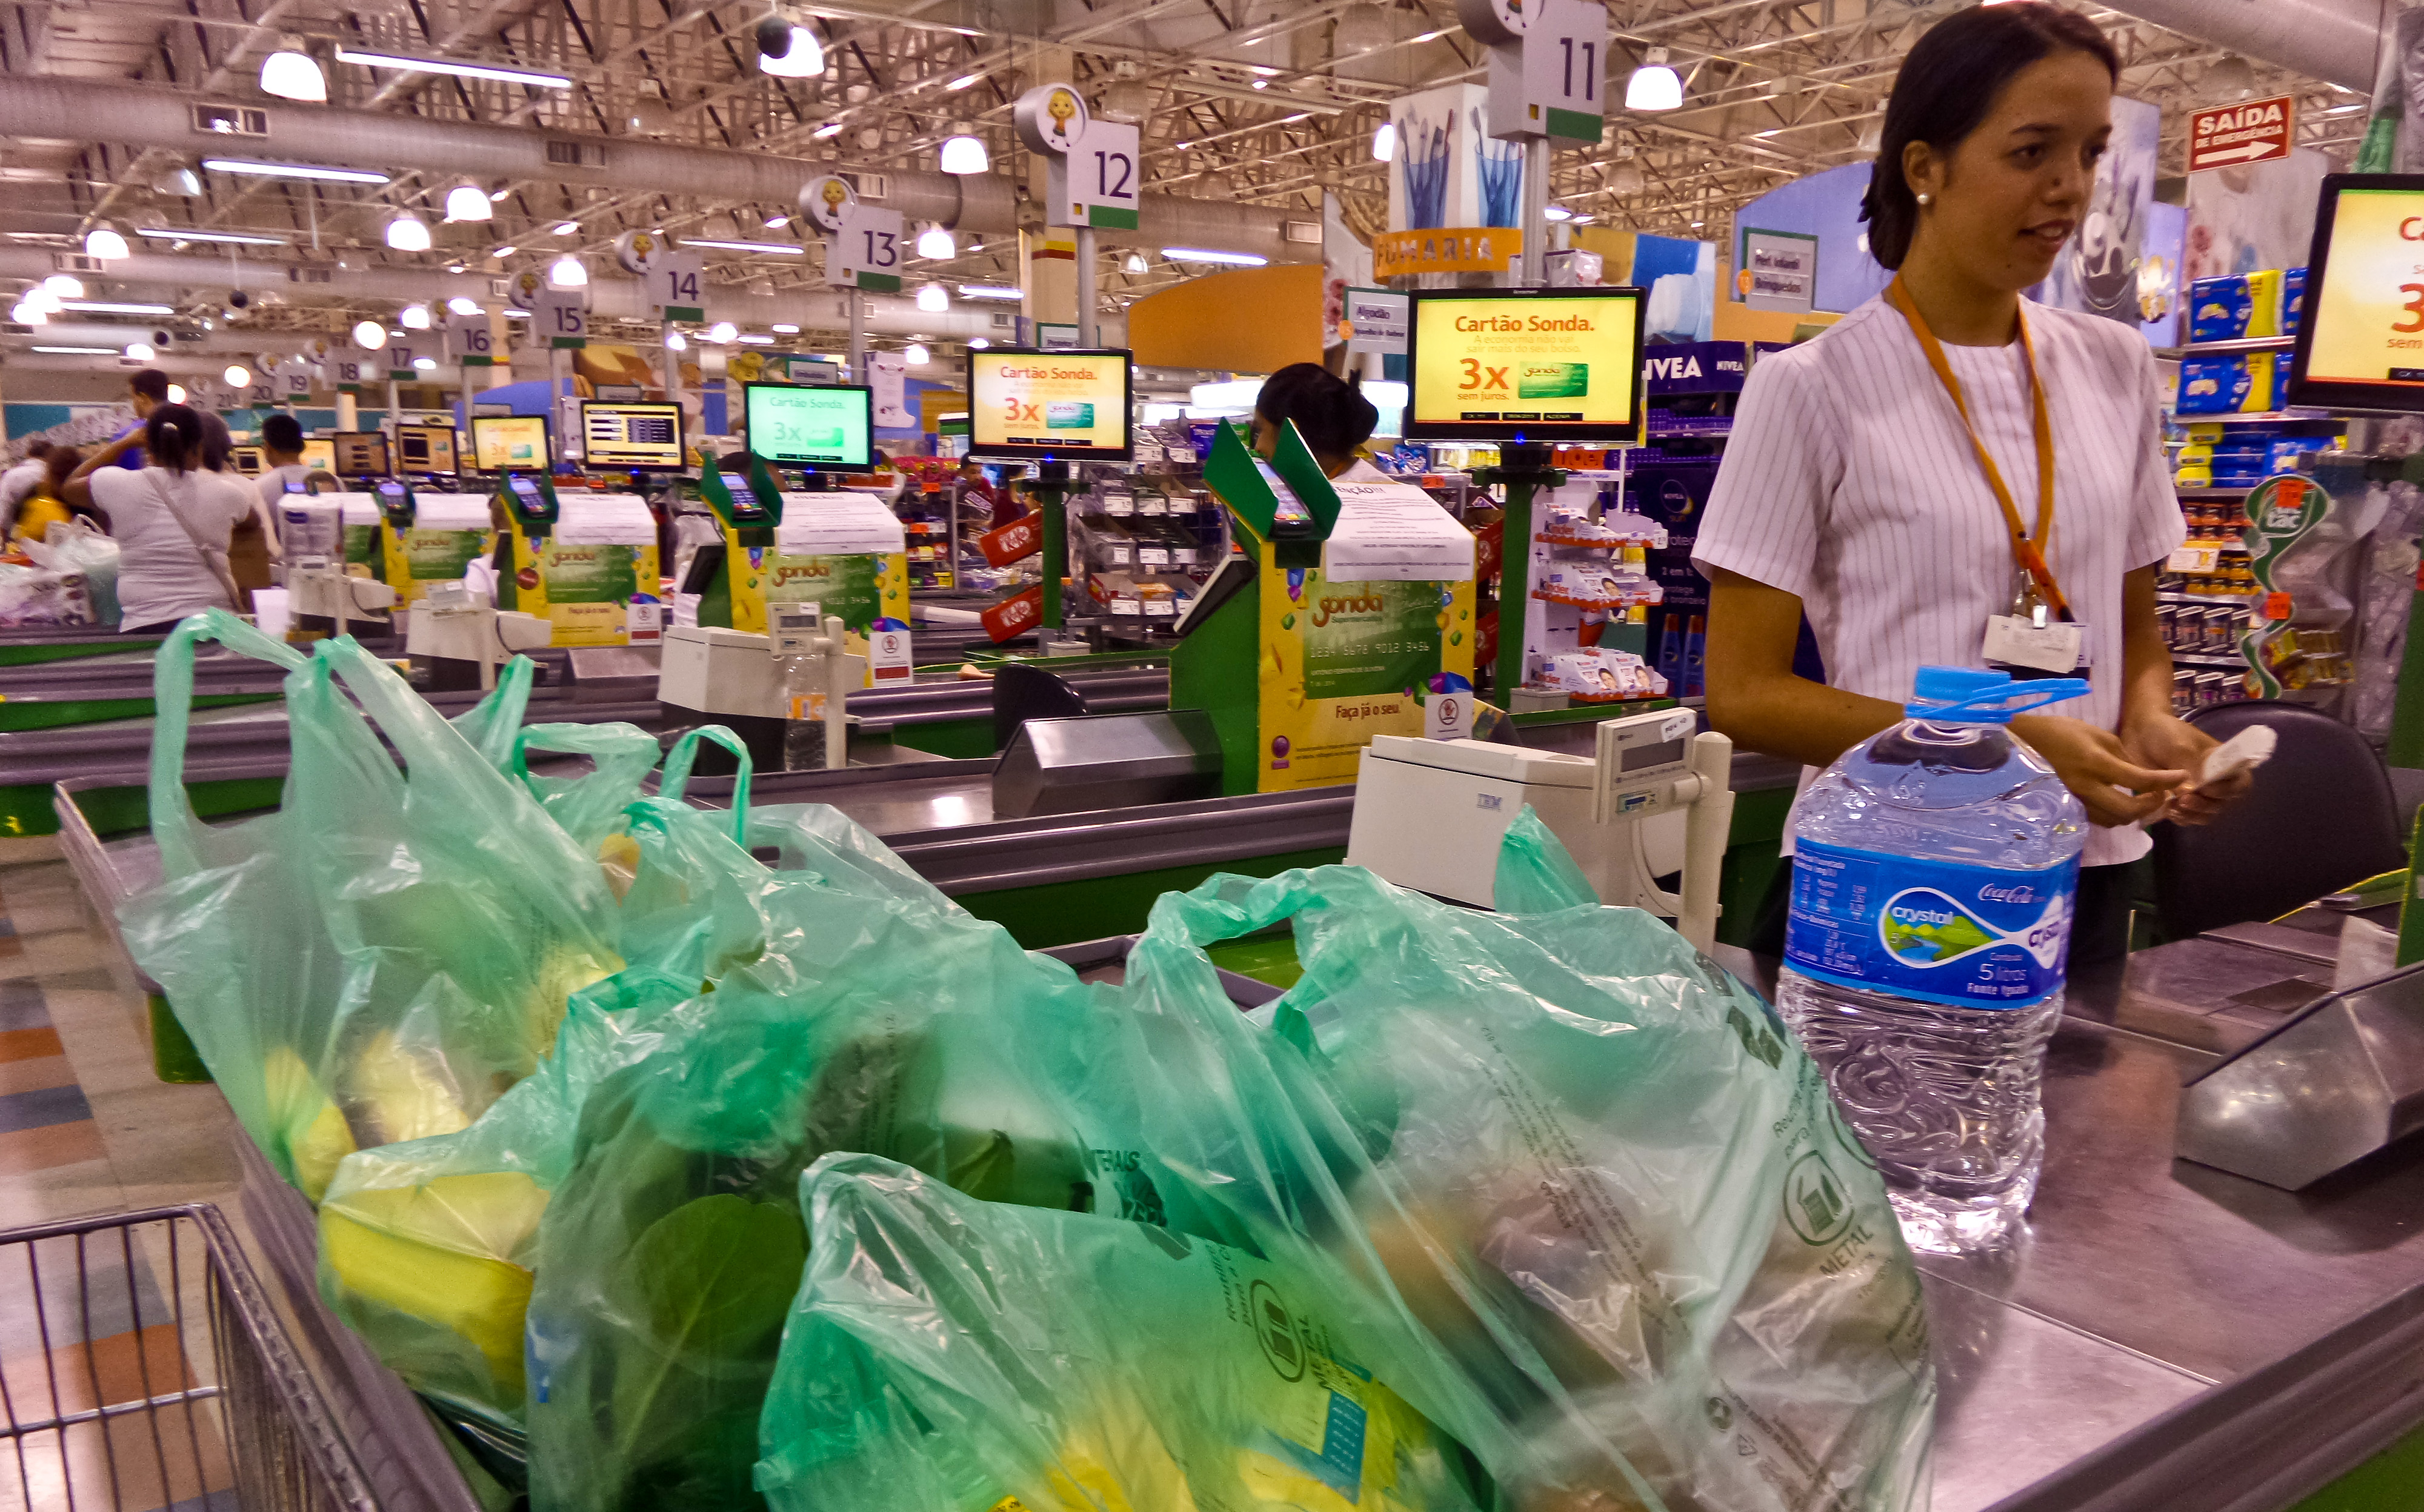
(86, 1129)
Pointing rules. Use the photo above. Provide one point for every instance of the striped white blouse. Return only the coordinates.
(1850, 483)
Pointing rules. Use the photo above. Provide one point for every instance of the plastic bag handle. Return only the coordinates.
(675, 774)
(174, 824)
(493, 723)
(622, 756)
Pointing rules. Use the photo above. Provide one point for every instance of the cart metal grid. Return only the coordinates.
(143, 1366)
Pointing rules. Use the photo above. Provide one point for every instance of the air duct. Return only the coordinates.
(2330, 39)
(614, 297)
(44, 109)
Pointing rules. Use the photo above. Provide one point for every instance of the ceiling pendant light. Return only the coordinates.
(140, 351)
(935, 242)
(933, 299)
(788, 51)
(407, 233)
(237, 376)
(369, 335)
(1384, 142)
(723, 331)
(965, 154)
(1135, 263)
(414, 318)
(176, 393)
(1653, 85)
(568, 272)
(65, 285)
(462, 305)
(105, 240)
(914, 354)
(292, 73)
(676, 342)
(24, 313)
(468, 201)
(178, 180)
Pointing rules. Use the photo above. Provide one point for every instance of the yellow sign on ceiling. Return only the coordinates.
(1449, 250)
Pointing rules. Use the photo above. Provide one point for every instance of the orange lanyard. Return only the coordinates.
(2028, 552)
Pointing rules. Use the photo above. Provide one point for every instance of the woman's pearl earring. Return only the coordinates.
(1927, 198)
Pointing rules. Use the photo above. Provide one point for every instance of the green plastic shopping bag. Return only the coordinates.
(427, 1244)
(669, 1254)
(257, 937)
(947, 1354)
(1597, 1171)
(465, 916)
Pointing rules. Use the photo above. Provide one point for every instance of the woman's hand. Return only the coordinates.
(2165, 740)
(2095, 765)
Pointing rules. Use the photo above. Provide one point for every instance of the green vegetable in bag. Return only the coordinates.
(870, 1021)
(1603, 1179)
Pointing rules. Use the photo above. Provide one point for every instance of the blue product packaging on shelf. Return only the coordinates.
(2294, 300)
(2212, 385)
(2282, 363)
(2220, 308)
(1697, 367)
(1673, 494)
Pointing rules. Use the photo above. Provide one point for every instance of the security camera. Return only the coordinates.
(238, 299)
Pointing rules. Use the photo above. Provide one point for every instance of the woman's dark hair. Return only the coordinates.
(282, 433)
(1947, 85)
(1331, 413)
(173, 437)
(218, 444)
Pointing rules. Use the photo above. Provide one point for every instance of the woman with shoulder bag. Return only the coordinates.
(171, 521)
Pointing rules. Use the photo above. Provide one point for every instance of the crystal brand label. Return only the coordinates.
(1552, 380)
(1068, 415)
(1941, 932)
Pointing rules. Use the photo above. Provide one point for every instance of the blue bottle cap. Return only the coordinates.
(1980, 695)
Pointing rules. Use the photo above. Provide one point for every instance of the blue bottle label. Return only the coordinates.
(1941, 932)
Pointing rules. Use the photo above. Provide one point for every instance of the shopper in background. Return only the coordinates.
(47, 505)
(1891, 478)
(282, 450)
(253, 544)
(18, 483)
(1331, 413)
(171, 519)
(1001, 504)
(147, 389)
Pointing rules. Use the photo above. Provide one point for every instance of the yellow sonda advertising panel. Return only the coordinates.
(1522, 364)
(1071, 406)
(2362, 341)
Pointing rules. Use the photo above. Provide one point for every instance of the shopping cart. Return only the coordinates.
(142, 1366)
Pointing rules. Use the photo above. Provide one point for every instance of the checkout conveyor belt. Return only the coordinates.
(2165, 1337)
(595, 686)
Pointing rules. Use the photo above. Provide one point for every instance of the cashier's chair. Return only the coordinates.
(2322, 816)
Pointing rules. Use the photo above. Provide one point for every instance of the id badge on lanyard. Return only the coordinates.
(2040, 637)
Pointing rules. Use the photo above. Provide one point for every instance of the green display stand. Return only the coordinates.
(1299, 674)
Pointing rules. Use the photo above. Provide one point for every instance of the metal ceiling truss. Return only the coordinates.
(1256, 101)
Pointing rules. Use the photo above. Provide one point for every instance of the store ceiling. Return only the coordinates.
(1260, 103)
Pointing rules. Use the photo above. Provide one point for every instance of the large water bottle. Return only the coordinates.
(1934, 873)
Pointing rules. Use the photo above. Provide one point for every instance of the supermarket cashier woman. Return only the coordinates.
(1331, 413)
(1890, 478)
